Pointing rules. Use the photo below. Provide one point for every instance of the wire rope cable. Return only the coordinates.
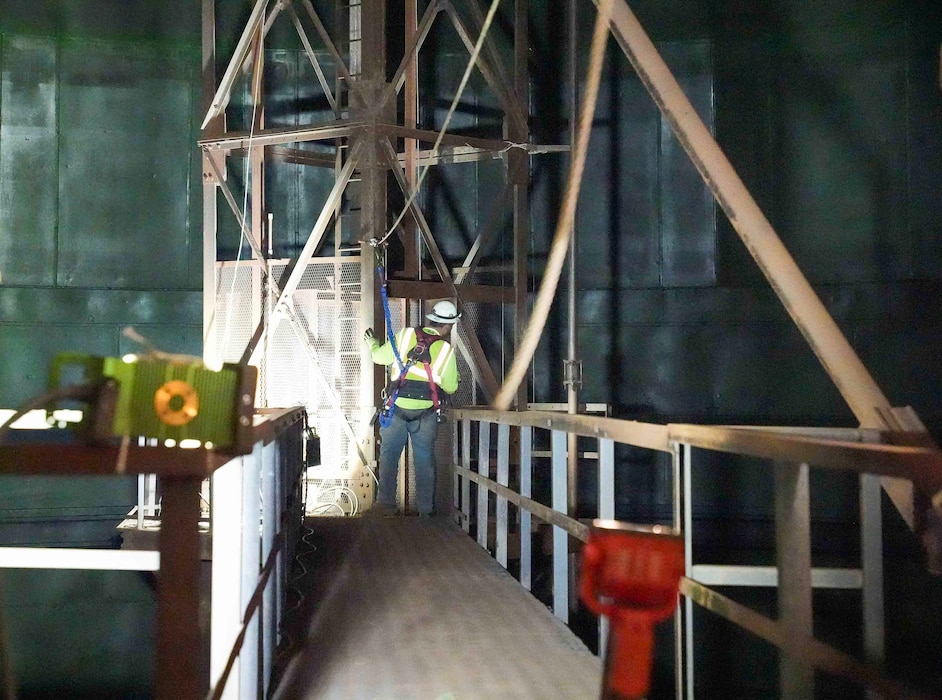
(298, 572)
(451, 110)
(560, 246)
(339, 491)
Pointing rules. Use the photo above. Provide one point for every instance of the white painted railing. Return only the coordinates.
(255, 523)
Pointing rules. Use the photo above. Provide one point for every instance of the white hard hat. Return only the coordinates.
(443, 312)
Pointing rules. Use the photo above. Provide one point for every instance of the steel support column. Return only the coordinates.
(484, 469)
(793, 544)
(210, 215)
(560, 536)
(526, 481)
(518, 164)
(572, 377)
(836, 355)
(465, 513)
(178, 636)
(412, 265)
(503, 478)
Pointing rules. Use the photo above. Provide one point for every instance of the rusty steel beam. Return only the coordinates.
(486, 374)
(472, 259)
(316, 236)
(312, 57)
(414, 34)
(520, 178)
(257, 153)
(179, 643)
(87, 460)
(340, 128)
(339, 63)
(319, 159)
(424, 289)
(415, 38)
(492, 68)
(402, 132)
(809, 314)
(851, 378)
(224, 91)
(210, 212)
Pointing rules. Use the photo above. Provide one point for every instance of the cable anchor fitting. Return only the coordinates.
(572, 374)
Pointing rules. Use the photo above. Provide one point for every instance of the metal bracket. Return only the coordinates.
(572, 373)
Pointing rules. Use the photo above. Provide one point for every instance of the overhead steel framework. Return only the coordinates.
(372, 147)
(369, 143)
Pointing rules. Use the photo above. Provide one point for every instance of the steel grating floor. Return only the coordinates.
(409, 609)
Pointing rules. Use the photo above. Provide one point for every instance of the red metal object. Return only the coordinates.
(631, 575)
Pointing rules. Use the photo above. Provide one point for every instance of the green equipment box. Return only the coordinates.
(165, 399)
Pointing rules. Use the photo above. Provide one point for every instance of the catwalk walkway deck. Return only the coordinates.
(402, 608)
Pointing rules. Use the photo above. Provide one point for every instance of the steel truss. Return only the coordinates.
(369, 143)
(367, 128)
(365, 133)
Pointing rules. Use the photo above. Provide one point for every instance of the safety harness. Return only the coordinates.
(420, 353)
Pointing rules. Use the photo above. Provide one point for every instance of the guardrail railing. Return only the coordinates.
(251, 563)
(272, 469)
(793, 451)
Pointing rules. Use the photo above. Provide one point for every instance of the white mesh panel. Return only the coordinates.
(234, 309)
(311, 361)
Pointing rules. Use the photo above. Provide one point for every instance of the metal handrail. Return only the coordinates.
(920, 464)
(259, 610)
(861, 451)
(178, 640)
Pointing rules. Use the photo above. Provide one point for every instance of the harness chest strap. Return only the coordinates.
(432, 386)
(411, 374)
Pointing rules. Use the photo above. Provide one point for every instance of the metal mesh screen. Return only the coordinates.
(467, 394)
(312, 359)
(235, 319)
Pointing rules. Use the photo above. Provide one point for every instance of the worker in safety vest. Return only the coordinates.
(424, 373)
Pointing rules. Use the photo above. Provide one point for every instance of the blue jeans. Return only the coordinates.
(422, 426)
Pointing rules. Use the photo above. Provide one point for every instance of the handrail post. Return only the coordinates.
(683, 518)
(251, 565)
(503, 478)
(793, 547)
(456, 477)
(606, 512)
(466, 484)
(178, 591)
(484, 468)
(226, 519)
(526, 480)
(560, 536)
(270, 525)
(871, 554)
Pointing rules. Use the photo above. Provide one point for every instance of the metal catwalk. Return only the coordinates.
(403, 608)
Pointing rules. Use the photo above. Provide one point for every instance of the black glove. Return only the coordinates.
(368, 336)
